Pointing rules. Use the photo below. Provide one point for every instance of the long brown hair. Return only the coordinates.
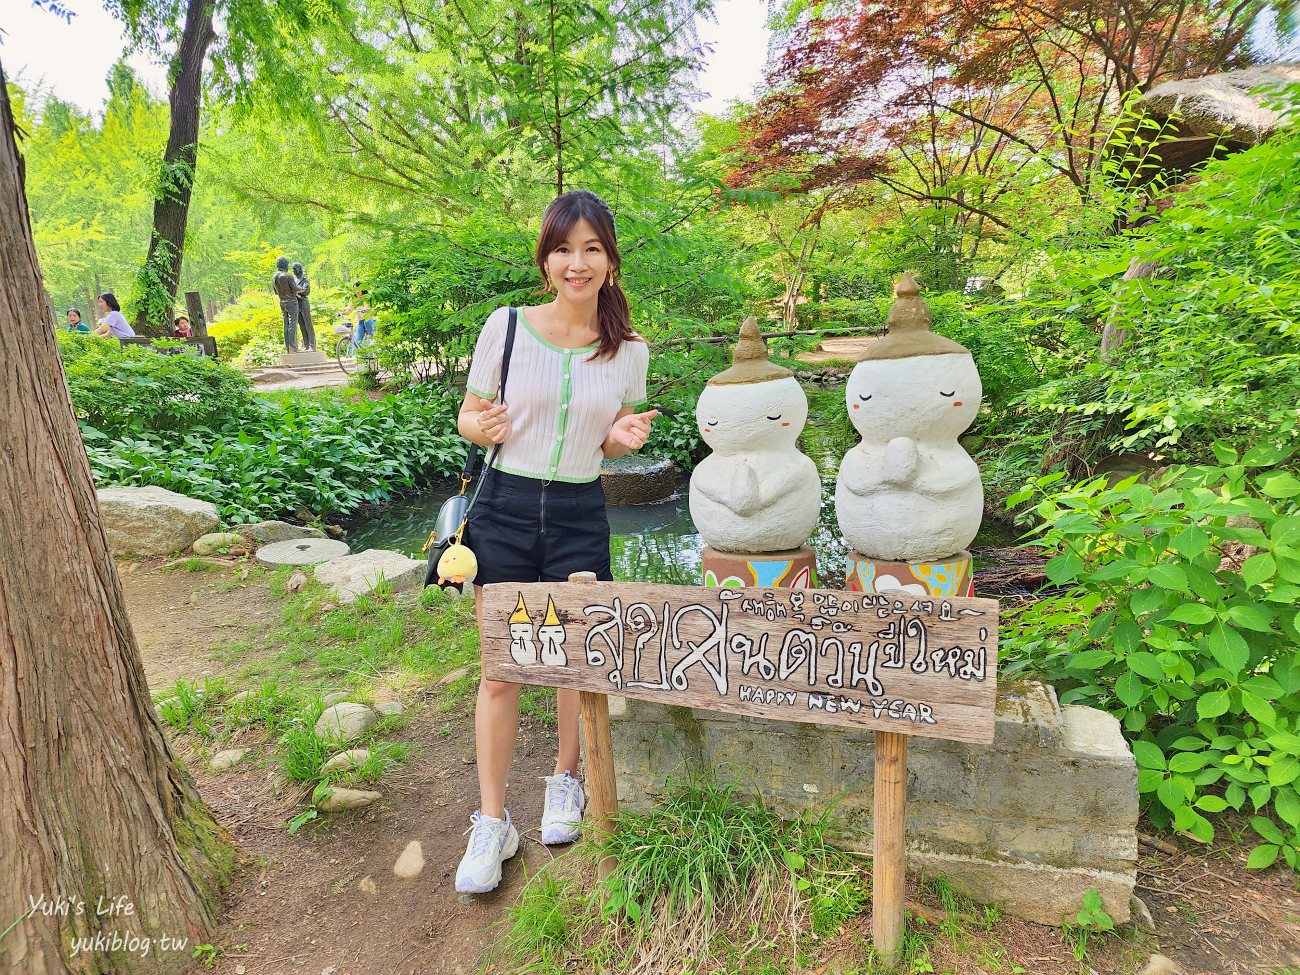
(613, 318)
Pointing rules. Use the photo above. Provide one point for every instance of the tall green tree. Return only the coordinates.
(249, 48)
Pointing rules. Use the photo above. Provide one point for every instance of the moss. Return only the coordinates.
(205, 850)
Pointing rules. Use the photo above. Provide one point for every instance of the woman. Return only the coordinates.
(75, 324)
(577, 372)
(113, 323)
(181, 327)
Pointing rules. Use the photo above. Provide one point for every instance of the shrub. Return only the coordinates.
(1169, 622)
(319, 453)
(129, 389)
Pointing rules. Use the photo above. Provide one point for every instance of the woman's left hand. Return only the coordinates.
(633, 430)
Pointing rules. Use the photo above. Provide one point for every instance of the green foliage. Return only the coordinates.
(1194, 652)
(128, 390)
(190, 707)
(318, 453)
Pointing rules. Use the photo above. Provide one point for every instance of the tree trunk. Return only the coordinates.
(160, 276)
(1116, 331)
(93, 803)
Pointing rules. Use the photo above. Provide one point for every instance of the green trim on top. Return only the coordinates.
(480, 394)
(554, 348)
(543, 477)
(637, 402)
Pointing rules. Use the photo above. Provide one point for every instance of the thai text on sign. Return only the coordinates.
(897, 662)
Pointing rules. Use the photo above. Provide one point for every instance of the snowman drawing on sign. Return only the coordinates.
(756, 492)
(523, 648)
(552, 636)
(909, 492)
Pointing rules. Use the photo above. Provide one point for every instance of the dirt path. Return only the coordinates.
(325, 899)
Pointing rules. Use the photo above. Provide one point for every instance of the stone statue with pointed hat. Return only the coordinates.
(756, 492)
(909, 492)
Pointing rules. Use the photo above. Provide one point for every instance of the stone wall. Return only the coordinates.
(1029, 823)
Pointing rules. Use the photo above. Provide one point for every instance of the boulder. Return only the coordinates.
(387, 709)
(360, 574)
(340, 799)
(637, 480)
(333, 698)
(269, 532)
(153, 520)
(214, 542)
(345, 721)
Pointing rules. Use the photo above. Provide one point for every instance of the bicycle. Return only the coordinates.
(348, 352)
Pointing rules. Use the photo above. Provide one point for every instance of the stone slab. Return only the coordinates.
(360, 574)
(269, 532)
(302, 551)
(291, 359)
(638, 480)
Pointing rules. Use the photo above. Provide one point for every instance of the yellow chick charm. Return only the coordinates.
(457, 565)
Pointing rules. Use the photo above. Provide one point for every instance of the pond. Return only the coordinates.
(648, 543)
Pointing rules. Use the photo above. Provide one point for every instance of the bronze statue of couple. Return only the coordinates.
(292, 289)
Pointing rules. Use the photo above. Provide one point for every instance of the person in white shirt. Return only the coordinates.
(576, 383)
(113, 323)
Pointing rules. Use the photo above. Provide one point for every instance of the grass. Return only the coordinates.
(370, 649)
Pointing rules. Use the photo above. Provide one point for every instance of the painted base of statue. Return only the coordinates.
(795, 569)
(952, 576)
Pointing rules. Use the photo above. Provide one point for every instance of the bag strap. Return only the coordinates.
(471, 469)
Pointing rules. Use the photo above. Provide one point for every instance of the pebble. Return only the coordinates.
(241, 969)
(387, 709)
(240, 698)
(454, 676)
(368, 886)
(334, 697)
(225, 759)
(346, 760)
(296, 581)
(1141, 913)
(1160, 965)
(411, 863)
(340, 799)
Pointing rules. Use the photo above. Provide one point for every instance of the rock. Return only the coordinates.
(333, 698)
(214, 542)
(1141, 914)
(269, 532)
(335, 530)
(387, 709)
(225, 759)
(341, 799)
(458, 674)
(411, 863)
(1160, 965)
(297, 582)
(345, 760)
(367, 885)
(241, 969)
(355, 575)
(637, 480)
(240, 698)
(301, 551)
(344, 721)
(152, 520)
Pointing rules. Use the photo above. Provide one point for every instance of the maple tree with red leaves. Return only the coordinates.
(946, 102)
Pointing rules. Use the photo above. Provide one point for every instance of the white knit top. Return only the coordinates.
(561, 403)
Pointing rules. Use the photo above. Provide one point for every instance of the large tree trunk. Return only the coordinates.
(160, 277)
(92, 802)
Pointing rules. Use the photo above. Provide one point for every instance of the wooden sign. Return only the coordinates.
(895, 662)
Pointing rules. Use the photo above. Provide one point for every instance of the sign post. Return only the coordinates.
(896, 663)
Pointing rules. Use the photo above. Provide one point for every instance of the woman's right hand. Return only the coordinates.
(495, 423)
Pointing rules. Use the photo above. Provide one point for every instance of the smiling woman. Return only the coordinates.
(577, 375)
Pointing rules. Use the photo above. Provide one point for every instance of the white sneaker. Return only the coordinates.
(562, 815)
(491, 843)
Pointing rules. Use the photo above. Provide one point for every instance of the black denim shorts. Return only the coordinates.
(524, 530)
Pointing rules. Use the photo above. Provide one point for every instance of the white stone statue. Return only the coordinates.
(909, 492)
(757, 492)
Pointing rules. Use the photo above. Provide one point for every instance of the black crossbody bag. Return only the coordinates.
(449, 527)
